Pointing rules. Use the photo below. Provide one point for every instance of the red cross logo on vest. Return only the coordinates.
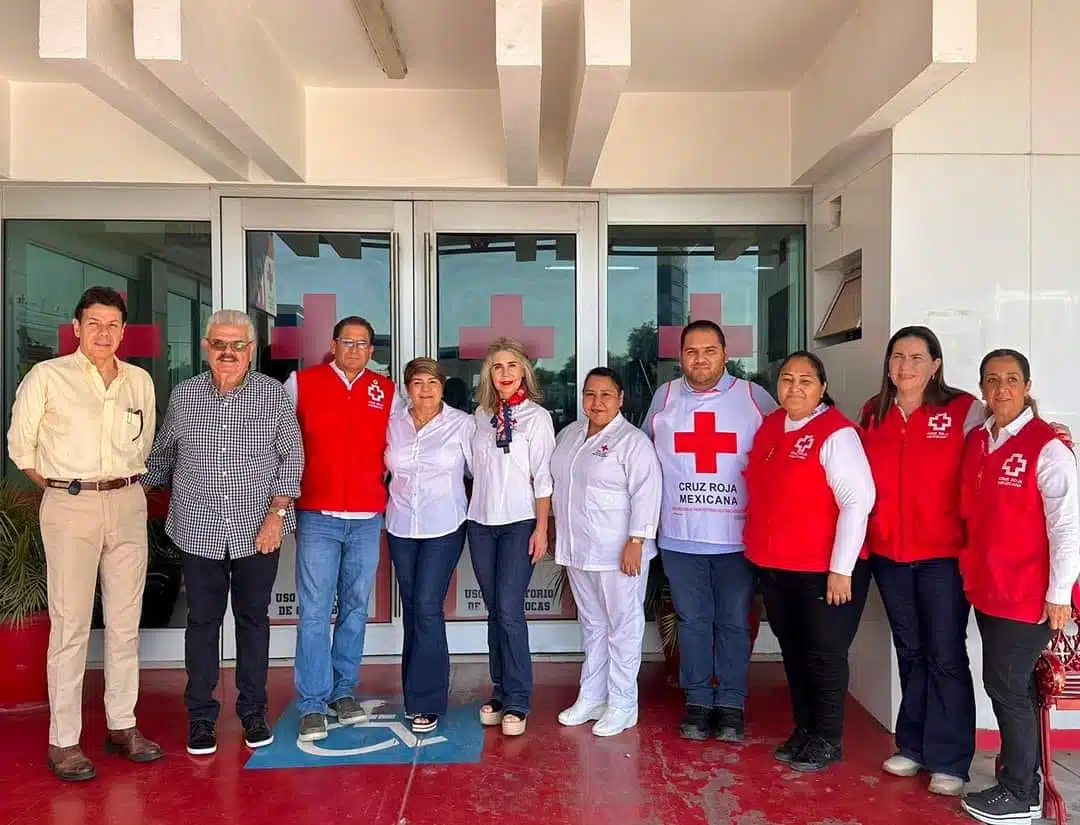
(1014, 465)
(705, 442)
(802, 447)
(940, 422)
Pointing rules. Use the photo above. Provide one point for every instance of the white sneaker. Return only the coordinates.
(582, 711)
(900, 765)
(945, 785)
(615, 721)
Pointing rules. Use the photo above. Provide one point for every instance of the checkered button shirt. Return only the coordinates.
(225, 457)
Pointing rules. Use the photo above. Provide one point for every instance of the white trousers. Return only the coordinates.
(611, 611)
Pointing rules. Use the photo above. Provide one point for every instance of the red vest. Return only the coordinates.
(1006, 560)
(791, 511)
(344, 434)
(916, 467)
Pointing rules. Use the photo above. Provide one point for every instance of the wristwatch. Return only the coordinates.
(636, 540)
(279, 512)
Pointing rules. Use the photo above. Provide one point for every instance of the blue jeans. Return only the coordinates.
(334, 557)
(712, 596)
(500, 559)
(424, 568)
(928, 614)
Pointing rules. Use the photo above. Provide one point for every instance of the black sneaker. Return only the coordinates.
(425, 722)
(348, 711)
(727, 724)
(202, 739)
(791, 745)
(257, 733)
(312, 727)
(815, 755)
(996, 805)
(695, 724)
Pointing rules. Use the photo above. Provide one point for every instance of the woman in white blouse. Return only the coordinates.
(607, 504)
(810, 493)
(508, 519)
(429, 448)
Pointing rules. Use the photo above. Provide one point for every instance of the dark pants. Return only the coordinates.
(209, 583)
(500, 559)
(928, 614)
(1010, 650)
(712, 595)
(814, 639)
(424, 568)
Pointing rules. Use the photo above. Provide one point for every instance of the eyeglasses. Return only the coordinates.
(350, 344)
(236, 346)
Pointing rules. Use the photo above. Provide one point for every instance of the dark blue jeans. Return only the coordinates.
(712, 595)
(928, 614)
(424, 568)
(500, 559)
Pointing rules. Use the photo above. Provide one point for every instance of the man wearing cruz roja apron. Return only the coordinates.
(702, 425)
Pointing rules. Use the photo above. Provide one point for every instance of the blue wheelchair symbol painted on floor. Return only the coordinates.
(385, 739)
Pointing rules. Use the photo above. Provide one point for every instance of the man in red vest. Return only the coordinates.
(343, 409)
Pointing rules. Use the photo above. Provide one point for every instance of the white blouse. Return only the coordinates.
(607, 488)
(507, 484)
(427, 473)
(1056, 479)
(852, 484)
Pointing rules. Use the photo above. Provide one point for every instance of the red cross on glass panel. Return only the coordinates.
(507, 320)
(309, 342)
(708, 306)
(705, 442)
(140, 340)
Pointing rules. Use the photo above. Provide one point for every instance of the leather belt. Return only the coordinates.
(75, 487)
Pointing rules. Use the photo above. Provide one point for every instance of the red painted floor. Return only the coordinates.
(550, 776)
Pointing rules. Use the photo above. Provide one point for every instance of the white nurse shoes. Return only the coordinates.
(582, 711)
(615, 721)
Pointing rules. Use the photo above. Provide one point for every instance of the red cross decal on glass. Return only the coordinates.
(507, 319)
(140, 340)
(708, 306)
(705, 442)
(309, 342)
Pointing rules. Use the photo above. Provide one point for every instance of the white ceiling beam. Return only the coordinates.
(602, 71)
(5, 128)
(216, 57)
(380, 34)
(92, 40)
(519, 61)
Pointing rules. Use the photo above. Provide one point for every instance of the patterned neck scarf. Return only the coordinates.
(503, 420)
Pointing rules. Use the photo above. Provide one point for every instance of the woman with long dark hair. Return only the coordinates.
(1021, 512)
(810, 493)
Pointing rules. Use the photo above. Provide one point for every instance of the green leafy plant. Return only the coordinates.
(23, 589)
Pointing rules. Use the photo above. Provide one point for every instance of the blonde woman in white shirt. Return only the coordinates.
(508, 518)
(607, 504)
(429, 448)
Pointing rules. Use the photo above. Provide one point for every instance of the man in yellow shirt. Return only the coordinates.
(81, 429)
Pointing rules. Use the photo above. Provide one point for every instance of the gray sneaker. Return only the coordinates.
(312, 727)
(348, 711)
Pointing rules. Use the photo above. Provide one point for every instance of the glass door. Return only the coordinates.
(528, 271)
(305, 265)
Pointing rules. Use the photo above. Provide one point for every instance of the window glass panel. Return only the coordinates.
(299, 285)
(523, 287)
(47, 266)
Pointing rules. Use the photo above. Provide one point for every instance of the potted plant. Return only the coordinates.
(24, 618)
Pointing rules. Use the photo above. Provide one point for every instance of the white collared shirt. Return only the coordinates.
(292, 387)
(1056, 479)
(507, 484)
(852, 484)
(606, 489)
(427, 473)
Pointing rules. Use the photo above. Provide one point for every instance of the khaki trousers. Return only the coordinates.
(85, 535)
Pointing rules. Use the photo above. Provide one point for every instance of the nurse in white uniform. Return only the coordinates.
(607, 504)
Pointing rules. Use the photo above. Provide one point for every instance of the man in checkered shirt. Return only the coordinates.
(230, 449)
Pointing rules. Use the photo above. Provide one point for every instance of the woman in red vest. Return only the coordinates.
(913, 431)
(1020, 562)
(810, 493)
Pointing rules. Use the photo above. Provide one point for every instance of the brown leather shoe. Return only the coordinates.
(70, 764)
(133, 745)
